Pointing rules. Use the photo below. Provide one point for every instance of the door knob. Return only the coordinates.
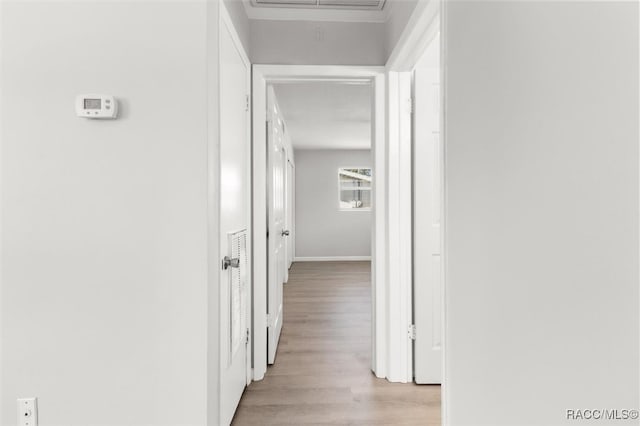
(285, 233)
(228, 262)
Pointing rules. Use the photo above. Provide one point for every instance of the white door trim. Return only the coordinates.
(399, 229)
(262, 75)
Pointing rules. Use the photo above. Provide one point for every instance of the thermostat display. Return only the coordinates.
(96, 106)
(93, 104)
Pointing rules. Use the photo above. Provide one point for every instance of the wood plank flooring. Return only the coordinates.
(322, 374)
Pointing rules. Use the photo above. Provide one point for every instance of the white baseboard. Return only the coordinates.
(332, 259)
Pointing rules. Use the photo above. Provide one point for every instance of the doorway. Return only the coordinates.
(393, 329)
(323, 328)
(263, 77)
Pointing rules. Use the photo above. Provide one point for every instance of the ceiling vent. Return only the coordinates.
(323, 4)
(374, 4)
(285, 2)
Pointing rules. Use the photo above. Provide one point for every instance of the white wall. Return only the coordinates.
(241, 22)
(542, 216)
(104, 223)
(322, 230)
(399, 13)
(299, 43)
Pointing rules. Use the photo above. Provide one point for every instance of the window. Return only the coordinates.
(355, 188)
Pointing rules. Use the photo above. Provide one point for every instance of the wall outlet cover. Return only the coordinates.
(27, 412)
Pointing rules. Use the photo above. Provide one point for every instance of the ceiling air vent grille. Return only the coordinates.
(287, 2)
(323, 4)
(351, 3)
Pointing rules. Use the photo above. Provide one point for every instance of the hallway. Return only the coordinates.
(322, 373)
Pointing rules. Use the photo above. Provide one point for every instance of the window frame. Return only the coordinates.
(354, 209)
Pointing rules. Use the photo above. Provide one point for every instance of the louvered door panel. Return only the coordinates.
(238, 291)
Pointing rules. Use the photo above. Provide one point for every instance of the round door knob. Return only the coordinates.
(285, 233)
(228, 262)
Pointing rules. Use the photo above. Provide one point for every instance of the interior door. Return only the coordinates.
(277, 232)
(290, 213)
(287, 216)
(427, 196)
(235, 173)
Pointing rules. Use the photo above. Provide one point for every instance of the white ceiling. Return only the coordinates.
(326, 115)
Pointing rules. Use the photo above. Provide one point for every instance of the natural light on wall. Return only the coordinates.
(355, 188)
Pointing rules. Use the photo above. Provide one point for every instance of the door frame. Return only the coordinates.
(424, 24)
(262, 76)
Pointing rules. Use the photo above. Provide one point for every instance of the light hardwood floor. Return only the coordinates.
(322, 374)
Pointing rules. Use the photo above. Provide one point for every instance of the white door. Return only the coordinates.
(287, 215)
(235, 163)
(290, 213)
(427, 230)
(277, 232)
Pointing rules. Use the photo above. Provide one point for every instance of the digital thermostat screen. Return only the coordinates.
(92, 103)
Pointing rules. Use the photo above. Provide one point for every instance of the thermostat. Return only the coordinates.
(96, 106)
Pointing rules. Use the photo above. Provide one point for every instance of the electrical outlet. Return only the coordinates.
(27, 412)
